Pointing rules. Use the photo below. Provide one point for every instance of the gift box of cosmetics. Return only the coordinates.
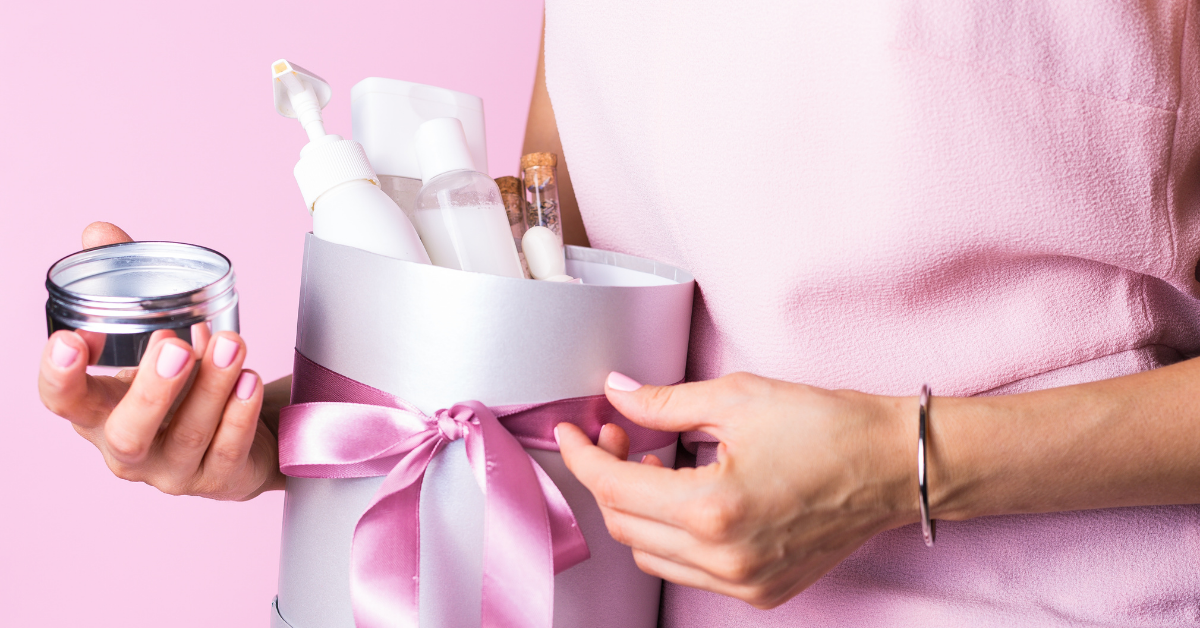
(434, 337)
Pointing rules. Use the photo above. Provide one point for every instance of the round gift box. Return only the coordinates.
(435, 337)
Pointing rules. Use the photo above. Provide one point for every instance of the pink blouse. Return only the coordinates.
(990, 197)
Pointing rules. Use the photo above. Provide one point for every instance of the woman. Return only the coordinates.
(996, 199)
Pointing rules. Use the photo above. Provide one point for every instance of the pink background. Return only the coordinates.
(158, 117)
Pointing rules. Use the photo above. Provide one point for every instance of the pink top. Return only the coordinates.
(985, 196)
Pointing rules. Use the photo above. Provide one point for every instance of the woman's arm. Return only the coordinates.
(1129, 441)
(541, 136)
(805, 476)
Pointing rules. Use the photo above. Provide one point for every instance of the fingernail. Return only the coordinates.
(63, 354)
(622, 382)
(224, 353)
(246, 385)
(171, 360)
(644, 457)
(556, 436)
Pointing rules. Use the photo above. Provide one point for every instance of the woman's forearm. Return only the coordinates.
(1129, 441)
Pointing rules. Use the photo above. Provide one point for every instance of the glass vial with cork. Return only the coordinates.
(514, 206)
(539, 177)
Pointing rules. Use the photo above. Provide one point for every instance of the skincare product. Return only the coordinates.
(514, 206)
(544, 251)
(385, 114)
(538, 171)
(458, 211)
(115, 296)
(339, 186)
(544, 238)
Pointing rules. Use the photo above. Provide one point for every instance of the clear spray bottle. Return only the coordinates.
(459, 212)
(338, 184)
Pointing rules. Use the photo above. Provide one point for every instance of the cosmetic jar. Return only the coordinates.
(116, 296)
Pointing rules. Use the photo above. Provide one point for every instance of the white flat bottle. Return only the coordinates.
(338, 184)
(458, 212)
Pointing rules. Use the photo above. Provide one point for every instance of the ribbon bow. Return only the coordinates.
(530, 533)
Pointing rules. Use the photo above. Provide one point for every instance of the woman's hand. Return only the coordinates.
(804, 476)
(215, 443)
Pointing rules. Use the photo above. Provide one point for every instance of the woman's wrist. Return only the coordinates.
(894, 448)
(950, 481)
(1069, 448)
(964, 452)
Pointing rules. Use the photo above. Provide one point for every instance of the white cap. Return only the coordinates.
(385, 114)
(442, 147)
(300, 94)
(326, 161)
(330, 162)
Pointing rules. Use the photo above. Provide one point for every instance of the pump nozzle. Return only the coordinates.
(300, 94)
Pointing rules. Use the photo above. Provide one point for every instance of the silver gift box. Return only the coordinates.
(434, 337)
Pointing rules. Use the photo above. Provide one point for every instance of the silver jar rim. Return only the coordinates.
(142, 286)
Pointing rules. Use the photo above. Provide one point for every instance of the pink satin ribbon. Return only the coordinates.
(341, 428)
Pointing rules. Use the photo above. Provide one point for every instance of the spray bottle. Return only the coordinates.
(458, 211)
(338, 184)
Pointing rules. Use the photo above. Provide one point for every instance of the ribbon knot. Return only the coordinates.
(452, 426)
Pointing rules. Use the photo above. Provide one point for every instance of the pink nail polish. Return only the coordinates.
(171, 359)
(622, 382)
(63, 354)
(556, 436)
(246, 385)
(224, 353)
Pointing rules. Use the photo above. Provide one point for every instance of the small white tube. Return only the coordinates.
(544, 253)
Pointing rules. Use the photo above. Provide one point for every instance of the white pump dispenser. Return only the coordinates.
(337, 182)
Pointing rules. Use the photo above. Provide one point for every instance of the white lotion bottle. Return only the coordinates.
(458, 212)
(338, 184)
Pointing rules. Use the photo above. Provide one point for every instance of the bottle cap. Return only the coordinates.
(539, 178)
(509, 185)
(300, 94)
(538, 159)
(327, 160)
(327, 163)
(442, 147)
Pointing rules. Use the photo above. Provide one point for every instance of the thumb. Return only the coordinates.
(102, 233)
(679, 408)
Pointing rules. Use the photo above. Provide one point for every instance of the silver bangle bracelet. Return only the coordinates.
(922, 477)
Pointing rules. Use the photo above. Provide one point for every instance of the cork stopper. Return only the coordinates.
(539, 159)
(509, 185)
(538, 169)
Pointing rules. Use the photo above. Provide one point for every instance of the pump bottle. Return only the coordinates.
(458, 212)
(338, 184)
